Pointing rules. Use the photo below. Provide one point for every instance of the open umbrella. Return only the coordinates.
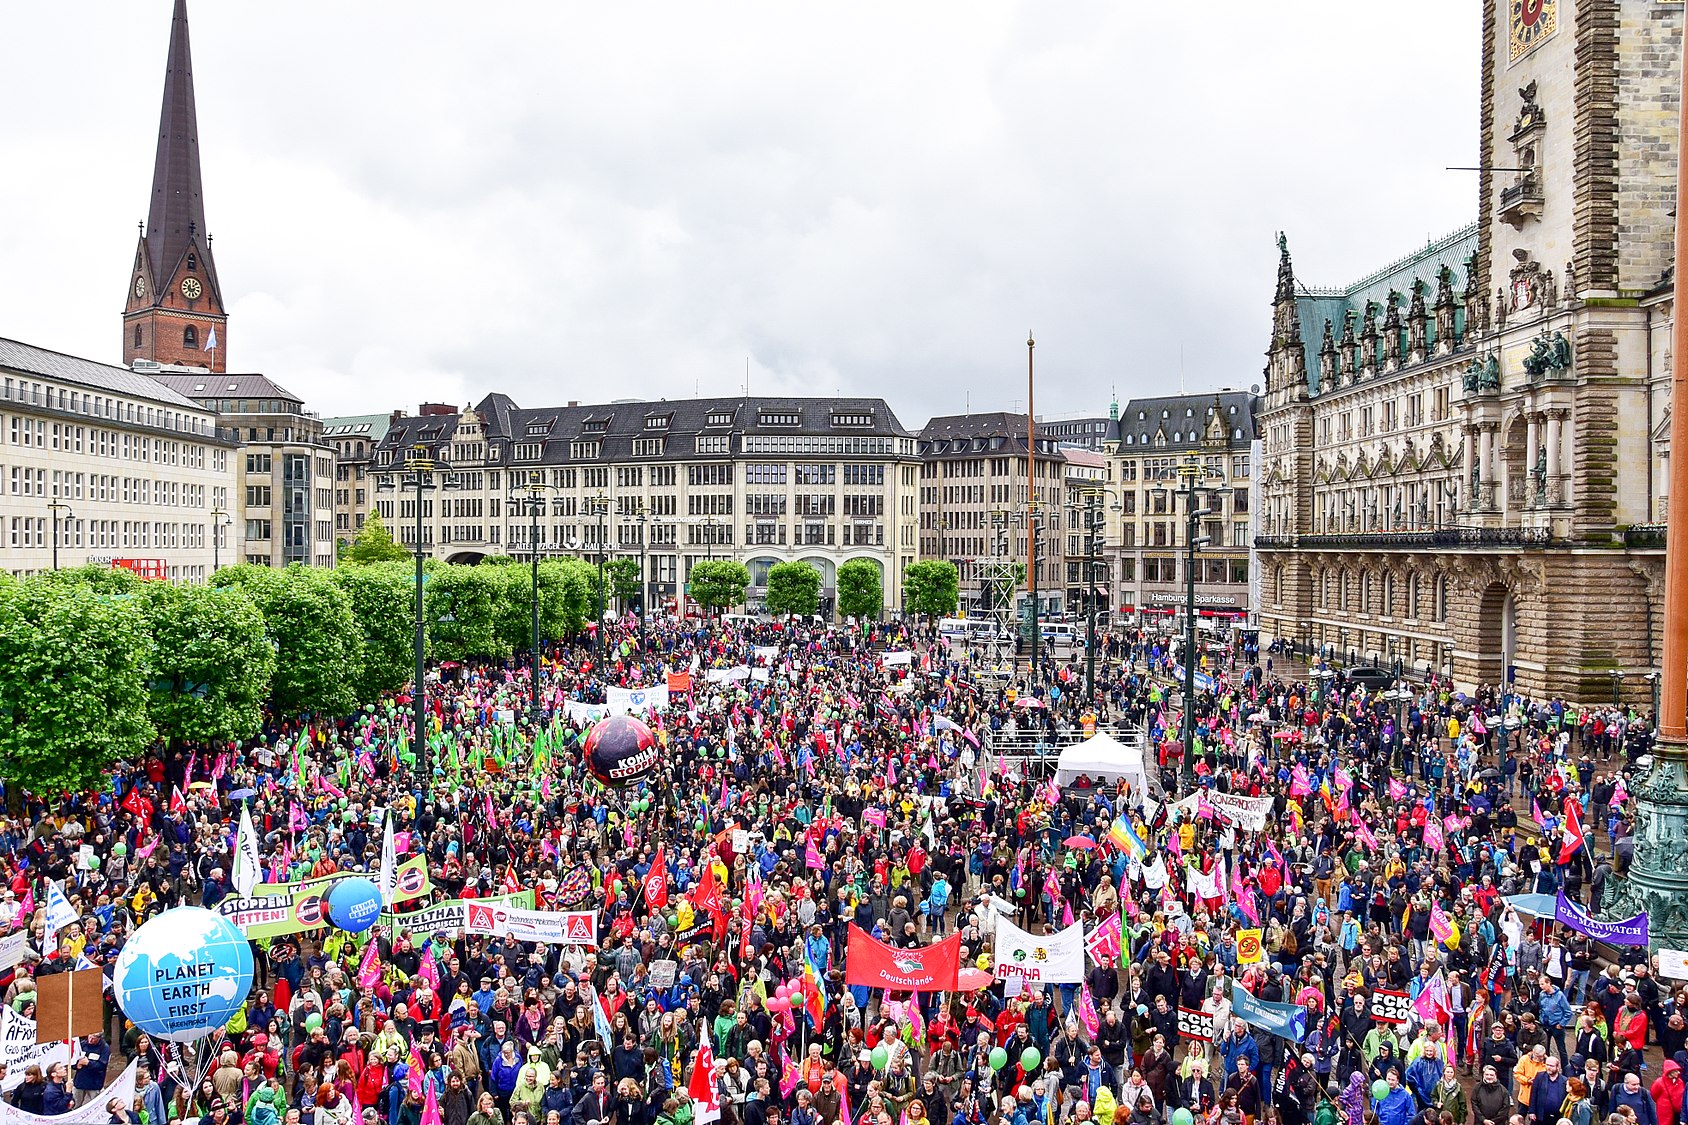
(1028, 701)
(1079, 842)
(242, 794)
(1542, 906)
(971, 980)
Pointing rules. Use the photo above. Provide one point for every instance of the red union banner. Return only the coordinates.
(873, 964)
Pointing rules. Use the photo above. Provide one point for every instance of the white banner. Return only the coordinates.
(896, 659)
(18, 1048)
(622, 700)
(759, 675)
(727, 675)
(12, 949)
(768, 653)
(92, 1113)
(1673, 963)
(587, 712)
(548, 927)
(1047, 959)
(1249, 812)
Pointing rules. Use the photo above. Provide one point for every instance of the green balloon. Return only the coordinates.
(1182, 1116)
(1029, 1058)
(120, 848)
(880, 1057)
(1379, 1090)
(999, 1058)
(313, 1021)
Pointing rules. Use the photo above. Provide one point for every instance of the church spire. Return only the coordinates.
(176, 219)
(174, 310)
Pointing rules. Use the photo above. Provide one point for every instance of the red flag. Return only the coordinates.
(707, 894)
(132, 801)
(178, 803)
(656, 882)
(1572, 831)
(511, 883)
(706, 1104)
(872, 963)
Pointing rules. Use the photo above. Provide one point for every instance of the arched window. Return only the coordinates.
(1441, 598)
(1365, 593)
(137, 335)
(1389, 595)
(190, 337)
(1412, 597)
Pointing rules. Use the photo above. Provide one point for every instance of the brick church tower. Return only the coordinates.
(173, 311)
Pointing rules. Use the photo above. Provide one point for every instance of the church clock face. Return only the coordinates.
(140, 287)
(190, 288)
(1531, 22)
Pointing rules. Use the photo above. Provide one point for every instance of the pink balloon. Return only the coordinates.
(782, 991)
(778, 1004)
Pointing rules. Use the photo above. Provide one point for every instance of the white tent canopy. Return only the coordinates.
(1102, 757)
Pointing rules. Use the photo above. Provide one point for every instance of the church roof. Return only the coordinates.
(176, 217)
(1316, 306)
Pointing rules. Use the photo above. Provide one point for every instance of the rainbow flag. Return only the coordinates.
(1124, 837)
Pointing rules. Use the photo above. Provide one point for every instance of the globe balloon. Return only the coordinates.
(1182, 1116)
(183, 975)
(354, 904)
(621, 752)
(1379, 1090)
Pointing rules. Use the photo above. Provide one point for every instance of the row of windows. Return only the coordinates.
(34, 531)
(94, 441)
(100, 406)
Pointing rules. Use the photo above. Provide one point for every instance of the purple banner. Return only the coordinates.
(1630, 931)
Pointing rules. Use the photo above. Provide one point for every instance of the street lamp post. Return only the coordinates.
(532, 498)
(600, 508)
(1191, 471)
(219, 520)
(56, 507)
(419, 476)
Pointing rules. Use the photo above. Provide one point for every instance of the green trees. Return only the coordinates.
(374, 544)
(461, 606)
(73, 684)
(793, 587)
(719, 583)
(383, 603)
(861, 590)
(622, 577)
(212, 662)
(318, 647)
(933, 587)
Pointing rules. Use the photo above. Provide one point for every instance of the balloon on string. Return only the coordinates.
(1182, 1116)
(1379, 1090)
(1029, 1058)
(999, 1058)
(621, 752)
(354, 904)
(183, 975)
(879, 1057)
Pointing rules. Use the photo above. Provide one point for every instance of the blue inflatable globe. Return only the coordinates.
(354, 904)
(183, 975)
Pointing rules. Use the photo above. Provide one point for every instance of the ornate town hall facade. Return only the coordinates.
(1464, 453)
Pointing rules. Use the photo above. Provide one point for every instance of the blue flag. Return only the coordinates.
(1287, 1021)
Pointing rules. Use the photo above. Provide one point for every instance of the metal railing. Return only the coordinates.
(1442, 538)
(1645, 536)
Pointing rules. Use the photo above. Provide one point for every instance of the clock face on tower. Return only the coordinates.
(140, 287)
(1531, 22)
(191, 288)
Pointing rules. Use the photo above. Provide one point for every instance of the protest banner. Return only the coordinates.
(622, 700)
(92, 1112)
(1193, 1023)
(1629, 931)
(1391, 1006)
(547, 927)
(1056, 958)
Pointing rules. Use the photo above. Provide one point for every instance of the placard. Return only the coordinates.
(68, 1005)
(1673, 963)
(1390, 1006)
(663, 974)
(12, 949)
(1193, 1023)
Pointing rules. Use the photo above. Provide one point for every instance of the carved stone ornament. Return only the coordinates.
(1526, 277)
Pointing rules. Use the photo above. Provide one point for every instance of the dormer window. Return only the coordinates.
(596, 425)
(779, 418)
(538, 429)
(718, 418)
(657, 421)
(852, 419)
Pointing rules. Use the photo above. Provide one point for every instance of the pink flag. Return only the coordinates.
(369, 969)
(1300, 785)
(147, 848)
(1434, 838)
(1397, 790)
(429, 970)
(26, 908)
(1087, 1010)
(844, 1107)
(1103, 943)
(431, 1108)
(1066, 914)
(788, 1073)
(812, 856)
(490, 815)
(1431, 1003)
(413, 1076)
(1364, 831)
(296, 821)
(330, 788)
(545, 787)
(1440, 924)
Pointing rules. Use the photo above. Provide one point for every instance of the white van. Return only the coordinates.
(1062, 633)
(953, 628)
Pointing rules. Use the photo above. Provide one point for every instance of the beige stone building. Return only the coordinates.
(1464, 453)
(354, 439)
(115, 467)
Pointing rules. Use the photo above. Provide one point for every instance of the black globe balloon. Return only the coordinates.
(621, 752)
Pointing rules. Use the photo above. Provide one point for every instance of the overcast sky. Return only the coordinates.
(427, 200)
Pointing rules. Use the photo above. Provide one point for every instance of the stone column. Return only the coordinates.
(1555, 439)
(1486, 466)
(1532, 442)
